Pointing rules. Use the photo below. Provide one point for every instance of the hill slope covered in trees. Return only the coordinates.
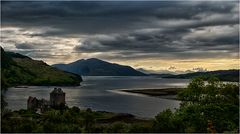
(17, 69)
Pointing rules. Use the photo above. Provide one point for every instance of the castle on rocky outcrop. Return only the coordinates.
(57, 101)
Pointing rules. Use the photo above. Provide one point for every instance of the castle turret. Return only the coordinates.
(57, 98)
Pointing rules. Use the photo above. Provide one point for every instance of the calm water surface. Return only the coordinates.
(102, 94)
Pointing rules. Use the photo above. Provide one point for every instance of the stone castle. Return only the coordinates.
(57, 101)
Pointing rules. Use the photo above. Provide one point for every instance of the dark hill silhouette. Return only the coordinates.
(96, 67)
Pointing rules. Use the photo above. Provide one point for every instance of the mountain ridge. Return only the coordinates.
(97, 67)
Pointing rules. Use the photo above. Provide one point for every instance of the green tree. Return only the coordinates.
(118, 127)
(89, 119)
(212, 100)
(203, 101)
(167, 121)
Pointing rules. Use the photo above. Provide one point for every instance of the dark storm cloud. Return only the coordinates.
(137, 42)
(105, 17)
(162, 43)
(134, 29)
(24, 46)
(33, 46)
(75, 17)
(34, 51)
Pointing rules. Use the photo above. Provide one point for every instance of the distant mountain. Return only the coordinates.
(165, 73)
(162, 75)
(145, 71)
(96, 67)
(17, 69)
(223, 75)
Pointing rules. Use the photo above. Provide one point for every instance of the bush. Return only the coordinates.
(118, 127)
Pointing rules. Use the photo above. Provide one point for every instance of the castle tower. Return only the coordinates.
(57, 98)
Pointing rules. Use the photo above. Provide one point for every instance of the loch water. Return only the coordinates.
(103, 93)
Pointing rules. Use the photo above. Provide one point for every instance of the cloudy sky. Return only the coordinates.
(158, 35)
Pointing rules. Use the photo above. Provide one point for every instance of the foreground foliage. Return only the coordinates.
(70, 120)
(206, 107)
